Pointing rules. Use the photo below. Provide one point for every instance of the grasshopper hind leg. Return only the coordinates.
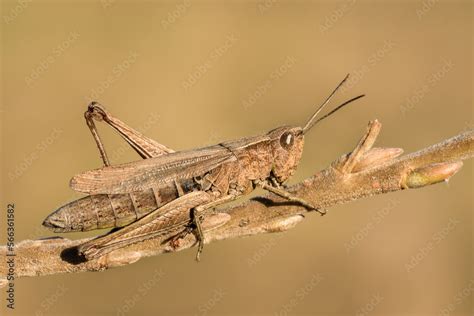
(144, 146)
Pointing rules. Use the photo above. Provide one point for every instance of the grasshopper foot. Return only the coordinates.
(198, 232)
(321, 211)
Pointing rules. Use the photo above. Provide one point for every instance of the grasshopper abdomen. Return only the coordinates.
(99, 211)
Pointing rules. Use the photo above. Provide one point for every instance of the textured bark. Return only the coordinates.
(364, 172)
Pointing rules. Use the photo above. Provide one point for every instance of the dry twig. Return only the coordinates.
(364, 172)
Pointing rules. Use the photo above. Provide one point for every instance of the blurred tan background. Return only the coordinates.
(192, 73)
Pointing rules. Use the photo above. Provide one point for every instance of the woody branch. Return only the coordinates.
(364, 172)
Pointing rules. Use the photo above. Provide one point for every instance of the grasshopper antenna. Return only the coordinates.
(338, 108)
(312, 121)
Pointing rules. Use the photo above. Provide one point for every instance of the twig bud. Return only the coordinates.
(431, 174)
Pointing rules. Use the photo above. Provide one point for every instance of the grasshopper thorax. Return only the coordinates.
(287, 147)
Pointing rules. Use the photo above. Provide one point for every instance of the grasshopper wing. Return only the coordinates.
(163, 220)
(153, 172)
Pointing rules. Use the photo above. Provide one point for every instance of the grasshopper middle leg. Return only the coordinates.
(286, 195)
(198, 211)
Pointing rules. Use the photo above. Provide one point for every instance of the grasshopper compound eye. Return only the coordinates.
(287, 140)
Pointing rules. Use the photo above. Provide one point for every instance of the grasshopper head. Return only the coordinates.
(287, 142)
(287, 148)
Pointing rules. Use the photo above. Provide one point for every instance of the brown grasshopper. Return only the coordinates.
(170, 191)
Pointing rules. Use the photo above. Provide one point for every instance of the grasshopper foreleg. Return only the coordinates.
(286, 195)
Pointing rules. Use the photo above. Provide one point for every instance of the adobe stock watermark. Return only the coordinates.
(263, 6)
(300, 295)
(51, 300)
(29, 159)
(267, 84)
(16, 11)
(372, 61)
(426, 7)
(216, 296)
(435, 239)
(431, 81)
(458, 299)
(468, 126)
(374, 221)
(200, 70)
(10, 256)
(117, 72)
(49, 60)
(107, 3)
(213, 138)
(368, 308)
(336, 15)
(263, 250)
(176, 14)
(142, 291)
